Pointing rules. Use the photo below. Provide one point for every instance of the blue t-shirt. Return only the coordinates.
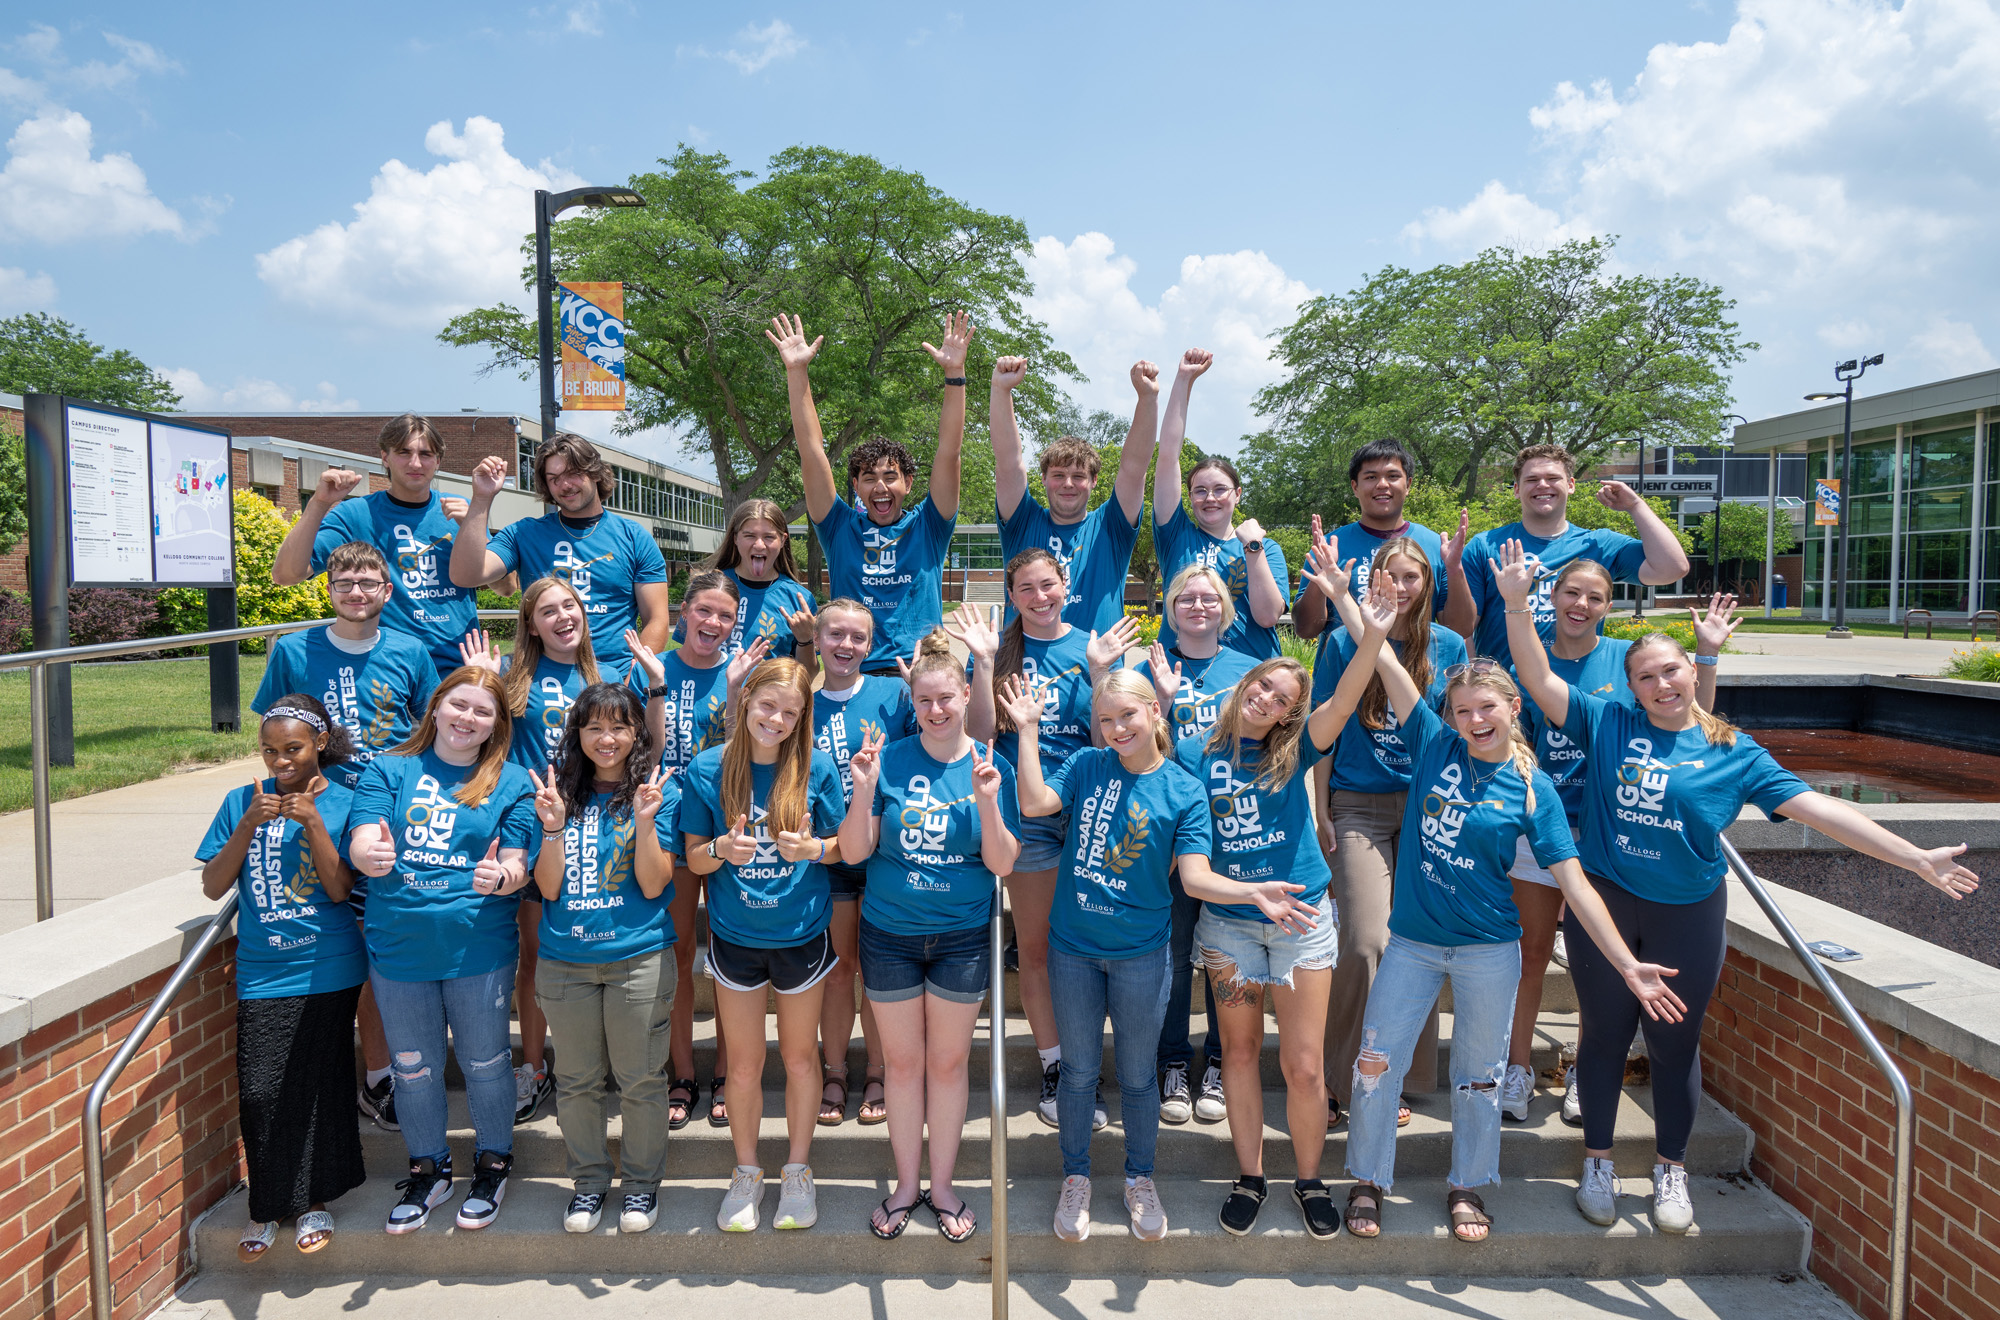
(291, 939)
(1601, 674)
(926, 876)
(1259, 833)
(1205, 685)
(1359, 543)
(876, 705)
(896, 571)
(1460, 830)
(378, 695)
(1179, 542)
(601, 915)
(605, 561)
(1620, 554)
(425, 920)
(1369, 760)
(538, 730)
(761, 608)
(1064, 664)
(1112, 896)
(1096, 554)
(415, 541)
(767, 903)
(697, 706)
(1657, 803)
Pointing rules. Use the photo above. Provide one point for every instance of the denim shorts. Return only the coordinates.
(846, 882)
(1041, 842)
(1262, 952)
(1526, 868)
(956, 966)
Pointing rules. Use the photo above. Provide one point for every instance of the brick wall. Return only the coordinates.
(467, 439)
(1825, 1128)
(171, 1145)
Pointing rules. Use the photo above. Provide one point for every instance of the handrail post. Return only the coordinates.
(38, 737)
(96, 1229)
(1899, 1086)
(997, 1019)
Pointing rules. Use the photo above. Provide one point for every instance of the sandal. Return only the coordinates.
(891, 1211)
(1364, 1210)
(680, 1110)
(832, 1113)
(963, 1215)
(718, 1108)
(1333, 1114)
(874, 1108)
(1467, 1211)
(315, 1224)
(256, 1240)
(1403, 1112)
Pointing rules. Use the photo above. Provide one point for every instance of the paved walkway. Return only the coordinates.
(1789, 653)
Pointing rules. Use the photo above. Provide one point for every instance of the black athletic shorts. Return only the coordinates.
(788, 971)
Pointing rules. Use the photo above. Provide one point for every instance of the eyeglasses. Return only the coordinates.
(1483, 665)
(348, 586)
(1212, 492)
(1198, 602)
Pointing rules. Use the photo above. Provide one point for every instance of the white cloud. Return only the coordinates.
(22, 292)
(585, 18)
(44, 45)
(252, 394)
(53, 189)
(1952, 348)
(1495, 217)
(424, 246)
(1228, 303)
(773, 41)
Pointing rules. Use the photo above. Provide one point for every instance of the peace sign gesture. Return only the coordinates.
(864, 768)
(738, 847)
(986, 777)
(957, 338)
(1166, 676)
(651, 794)
(549, 808)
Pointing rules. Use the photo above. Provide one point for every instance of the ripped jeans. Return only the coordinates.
(1483, 981)
(414, 1017)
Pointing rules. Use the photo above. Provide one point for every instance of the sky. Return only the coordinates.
(279, 207)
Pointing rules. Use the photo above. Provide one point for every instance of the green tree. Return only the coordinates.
(42, 354)
(1467, 364)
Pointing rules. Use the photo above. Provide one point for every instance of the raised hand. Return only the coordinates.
(1713, 629)
(977, 627)
(1166, 676)
(742, 663)
(739, 846)
(802, 623)
(1145, 378)
(957, 339)
(789, 337)
(335, 484)
(1617, 495)
(1009, 372)
(303, 806)
(488, 875)
(1454, 547)
(477, 650)
(799, 845)
(1939, 870)
(1331, 576)
(986, 779)
(1648, 982)
(263, 807)
(864, 768)
(377, 857)
(1515, 576)
(1378, 607)
(645, 659)
(1100, 652)
(549, 808)
(1194, 362)
(454, 508)
(1022, 703)
(646, 802)
(488, 476)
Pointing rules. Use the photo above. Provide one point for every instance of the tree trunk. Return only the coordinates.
(815, 564)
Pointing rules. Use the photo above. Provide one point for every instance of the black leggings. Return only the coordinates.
(1686, 936)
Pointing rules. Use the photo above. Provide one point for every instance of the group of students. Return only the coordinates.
(849, 785)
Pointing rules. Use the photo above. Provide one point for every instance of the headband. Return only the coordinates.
(298, 713)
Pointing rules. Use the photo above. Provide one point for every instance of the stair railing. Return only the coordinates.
(997, 1031)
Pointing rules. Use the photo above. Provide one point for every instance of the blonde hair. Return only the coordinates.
(1128, 683)
(492, 753)
(520, 676)
(1718, 731)
(934, 656)
(1214, 578)
(1014, 638)
(1416, 628)
(786, 808)
(1575, 566)
(850, 605)
(1521, 751)
(1280, 759)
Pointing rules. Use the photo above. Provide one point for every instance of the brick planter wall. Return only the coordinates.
(1777, 1055)
(172, 1148)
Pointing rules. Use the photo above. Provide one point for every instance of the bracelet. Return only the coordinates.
(1708, 660)
(659, 691)
(1525, 609)
(955, 380)
(711, 851)
(822, 850)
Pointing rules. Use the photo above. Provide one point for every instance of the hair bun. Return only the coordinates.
(936, 642)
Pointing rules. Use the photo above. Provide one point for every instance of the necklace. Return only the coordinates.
(1479, 781)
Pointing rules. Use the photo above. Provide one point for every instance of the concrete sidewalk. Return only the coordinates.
(1789, 653)
(107, 843)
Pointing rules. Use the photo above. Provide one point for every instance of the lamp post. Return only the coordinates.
(548, 206)
(1846, 373)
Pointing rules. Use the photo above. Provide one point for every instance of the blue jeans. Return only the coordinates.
(1175, 1047)
(1483, 980)
(414, 1017)
(1134, 992)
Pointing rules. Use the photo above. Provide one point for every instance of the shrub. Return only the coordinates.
(16, 622)
(1301, 649)
(1631, 630)
(260, 527)
(1149, 625)
(499, 629)
(1981, 664)
(110, 614)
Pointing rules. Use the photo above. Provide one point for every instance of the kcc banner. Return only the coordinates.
(593, 346)
(1826, 502)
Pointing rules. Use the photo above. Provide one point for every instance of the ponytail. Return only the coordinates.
(1014, 638)
(1718, 731)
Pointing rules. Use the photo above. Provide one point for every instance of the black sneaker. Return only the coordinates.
(1010, 957)
(531, 1088)
(489, 1187)
(1051, 1083)
(1239, 1212)
(1316, 1205)
(379, 1102)
(428, 1186)
(585, 1209)
(641, 1212)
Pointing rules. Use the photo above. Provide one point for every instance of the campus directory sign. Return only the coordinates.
(149, 500)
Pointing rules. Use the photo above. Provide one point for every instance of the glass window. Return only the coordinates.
(1869, 514)
(1874, 466)
(1941, 458)
(1939, 556)
(1927, 510)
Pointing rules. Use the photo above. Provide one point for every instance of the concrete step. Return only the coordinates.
(1743, 1229)
(1541, 1147)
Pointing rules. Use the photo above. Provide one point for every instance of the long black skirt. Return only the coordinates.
(295, 1090)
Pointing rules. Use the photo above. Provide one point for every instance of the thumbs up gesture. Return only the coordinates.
(488, 875)
(738, 847)
(375, 855)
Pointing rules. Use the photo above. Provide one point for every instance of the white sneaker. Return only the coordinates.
(798, 1205)
(1597, 1197)
(641, 1212)
(1561, 952)
(1211, 1107)
(585, 1209)
(1673, 1212)
(1175, 1106)
(739, 1203)
(1073, 1209)
(1572, 1111)
(1149, 1217)
(530, 1089)
(1516, 1091)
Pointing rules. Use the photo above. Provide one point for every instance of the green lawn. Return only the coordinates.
(1790, 621)
(134, 722)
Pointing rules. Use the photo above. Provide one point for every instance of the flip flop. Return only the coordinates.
(963, 1214)
(891, 1234)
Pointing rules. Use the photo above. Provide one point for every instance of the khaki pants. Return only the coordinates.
(1367, 826)
(611, 1017)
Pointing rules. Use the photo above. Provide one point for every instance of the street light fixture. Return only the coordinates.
(548, 206)
(1846, 373)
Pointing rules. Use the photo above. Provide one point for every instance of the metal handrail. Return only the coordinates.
(96, 1229)
(1899, 1086)
(997, 1031)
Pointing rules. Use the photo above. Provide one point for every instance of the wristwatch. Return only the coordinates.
(1255, 547)
(711, 852)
